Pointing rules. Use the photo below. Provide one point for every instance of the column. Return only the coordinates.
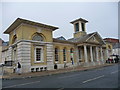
(91, 53)
(85, 53)
(97, 53)
(101, 53)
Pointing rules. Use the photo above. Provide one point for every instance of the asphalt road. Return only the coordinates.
(105, 77)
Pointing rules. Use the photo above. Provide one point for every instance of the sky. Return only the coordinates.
(102, 16)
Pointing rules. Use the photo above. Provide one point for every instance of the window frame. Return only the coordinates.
(41, 55)
(83, 26)
(56, 54)
(37, 35)
(64, 55)
(76, 27)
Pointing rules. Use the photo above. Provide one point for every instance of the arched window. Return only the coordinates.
(14, 39)
(56, 54)
(37, 38)
(64, 54)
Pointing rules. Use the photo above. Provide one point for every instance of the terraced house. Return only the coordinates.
(32, 44)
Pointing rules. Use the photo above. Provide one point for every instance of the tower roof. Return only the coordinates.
(80, 19)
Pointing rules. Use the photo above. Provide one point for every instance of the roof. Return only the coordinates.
(5, 43)
(83, 38)
(61, 41)
(61, 38)
(111, 40)
(18, 21)
(80, 19)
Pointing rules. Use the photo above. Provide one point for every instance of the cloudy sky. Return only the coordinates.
(102, 16)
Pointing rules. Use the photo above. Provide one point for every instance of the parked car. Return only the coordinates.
(113, 59)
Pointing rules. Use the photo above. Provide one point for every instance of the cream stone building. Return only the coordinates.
(32, 44)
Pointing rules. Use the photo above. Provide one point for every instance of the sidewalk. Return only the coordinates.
(50, 72)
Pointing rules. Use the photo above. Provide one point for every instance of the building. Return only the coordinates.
(116, 49)
(3, 46)
(1, 50)
(111, 45)
(32, 44)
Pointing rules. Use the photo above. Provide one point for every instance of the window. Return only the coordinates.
(71, 54)
(14, 39)
(38, 54)
(56, 54)
(83, 26)
(77, 27)
(38, 38)
(79, 53)
(64, 54)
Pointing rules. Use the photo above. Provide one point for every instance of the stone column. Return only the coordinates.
(24, 56)
(107, 53)
(101, 53)
(91, 53)
(10, 54)
(50, 57)
(85, 54)
(97, 53)
(77, 56)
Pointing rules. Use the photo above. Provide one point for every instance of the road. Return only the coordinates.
(105, 77)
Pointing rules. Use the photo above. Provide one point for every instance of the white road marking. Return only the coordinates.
(21, 84)
(114, 72)
(93, 79)
(69, 76)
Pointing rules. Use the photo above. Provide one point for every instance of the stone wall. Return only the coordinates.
(24, 56)
(50, 57)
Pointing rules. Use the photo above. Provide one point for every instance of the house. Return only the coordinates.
(111, 45)
(116, 49)
(32, 44)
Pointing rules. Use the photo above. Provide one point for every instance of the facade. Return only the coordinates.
(111, 46)
(116, 49)
(1, 50)
(32, 44)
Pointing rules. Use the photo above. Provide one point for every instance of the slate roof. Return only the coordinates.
(80, 19)
(81, 39)
(5, 43)
(18, 21)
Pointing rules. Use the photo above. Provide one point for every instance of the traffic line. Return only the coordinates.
(93, 79)
(21, 84)
(69, 76)
(114, 72)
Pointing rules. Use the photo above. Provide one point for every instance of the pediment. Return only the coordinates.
(95, 38)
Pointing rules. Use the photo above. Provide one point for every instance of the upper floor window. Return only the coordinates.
(77, 27)
(37, 38)
(83, 26)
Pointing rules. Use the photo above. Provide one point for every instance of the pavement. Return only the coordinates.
(100, 77)
(50, 72)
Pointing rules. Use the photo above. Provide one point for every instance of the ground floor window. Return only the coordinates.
(71, 54)
(38, 54)
(56, 54)
(64, 54)
(79, 53)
